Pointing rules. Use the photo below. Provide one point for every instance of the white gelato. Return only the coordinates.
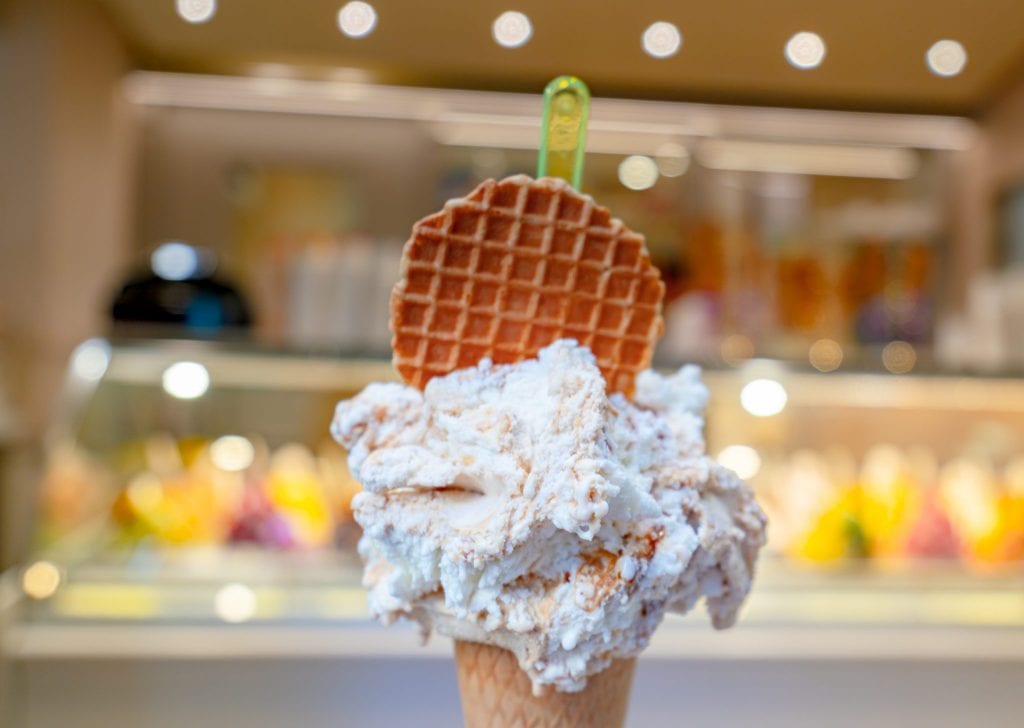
(520, 505)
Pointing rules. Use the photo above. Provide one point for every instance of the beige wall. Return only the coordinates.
(1004, 126)
(64, 205)
(971, 229)
(1000, 163)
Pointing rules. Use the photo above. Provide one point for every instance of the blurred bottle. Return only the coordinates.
(338, 292)
(863, 292)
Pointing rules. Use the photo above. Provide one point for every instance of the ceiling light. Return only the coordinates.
(196, 11)
(805, 50)
(638, 172)
(186, 380)
(946, 58)
(763, 397)
(511, 29)
(662, 40)
(357, 19)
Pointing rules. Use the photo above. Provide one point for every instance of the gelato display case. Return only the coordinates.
(174, 545)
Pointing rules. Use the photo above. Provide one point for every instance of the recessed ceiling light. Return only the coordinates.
(357, 19)
(511, 29)
(805, 50)
(662, 40)
(946, 58)
(196, 11)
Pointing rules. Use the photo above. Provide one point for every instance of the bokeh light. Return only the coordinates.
(511, 29)
(175, 261)
(673, 159)
(825, 355)
(741, 459)
(899, 357)
(235, 603)
(763, 397)
(41, 580)
(946, 58)
(186, 380)
(90, 359)
(357, 19)
(232, 453)
(196, 11)
(805, 50)
(638, 172)
(662, 40)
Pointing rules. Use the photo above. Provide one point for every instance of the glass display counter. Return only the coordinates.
(216, 637)
(176, 457)
(194, 512)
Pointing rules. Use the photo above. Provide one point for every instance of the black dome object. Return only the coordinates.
(200, 305)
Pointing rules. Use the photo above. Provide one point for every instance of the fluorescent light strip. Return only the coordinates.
(812, 159)
(493, 131)
(331, 98)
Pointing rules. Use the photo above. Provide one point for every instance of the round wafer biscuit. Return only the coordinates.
(514, 266)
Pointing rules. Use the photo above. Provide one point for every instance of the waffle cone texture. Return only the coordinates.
(496, 693)
(514, 266)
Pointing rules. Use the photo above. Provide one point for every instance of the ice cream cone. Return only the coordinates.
(496, 693)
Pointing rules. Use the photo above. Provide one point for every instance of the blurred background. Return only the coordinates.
(203, 206)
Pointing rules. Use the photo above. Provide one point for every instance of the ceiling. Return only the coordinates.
(732, 49)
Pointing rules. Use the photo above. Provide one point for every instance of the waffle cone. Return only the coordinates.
(514, 266)
(496, 693)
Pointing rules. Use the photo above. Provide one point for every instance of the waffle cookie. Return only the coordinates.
(512, 267)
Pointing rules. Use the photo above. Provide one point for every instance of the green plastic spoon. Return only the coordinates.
(563, 134)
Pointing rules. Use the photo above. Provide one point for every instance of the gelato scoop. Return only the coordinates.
(521, 505)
